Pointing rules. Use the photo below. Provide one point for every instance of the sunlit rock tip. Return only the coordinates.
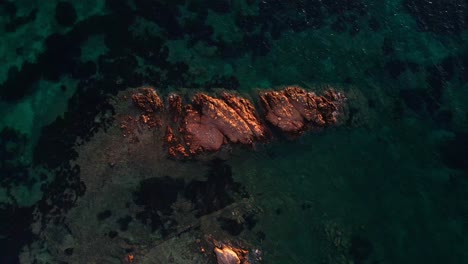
(226, 256)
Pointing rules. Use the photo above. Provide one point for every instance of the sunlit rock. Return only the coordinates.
(226, 256)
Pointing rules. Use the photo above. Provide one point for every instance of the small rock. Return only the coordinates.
(226, 256)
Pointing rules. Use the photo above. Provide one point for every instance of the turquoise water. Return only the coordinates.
(390, 185)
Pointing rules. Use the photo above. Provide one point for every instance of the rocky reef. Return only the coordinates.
(209, 122)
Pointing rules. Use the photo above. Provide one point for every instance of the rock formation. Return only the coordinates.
(226, 256)
(208, 123)
(148, 100)
(293, 109)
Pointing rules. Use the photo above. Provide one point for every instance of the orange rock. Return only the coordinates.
(169, 137)
(217, 113)
(280, 112)
(226, 255)
(200, 136)
(147, 100)
(210, 122)
(178, 151)
(130, 258)
(302, 101)
(174, 148)
(328, 108)
(293, 109)
(245, 109)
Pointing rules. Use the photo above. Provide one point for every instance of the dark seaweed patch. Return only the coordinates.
(261, 236)
(8, 8)
(415, 99)
(124, 222)
(231, 226)
(61, 194)
(14, 169)
(234, 227)
(361, 249)
(216, 192)
(19, 82)
(220, 6)
(55, 146)
(68, 251)
(85, 70)
(163, 14)
(395, 68)
(455, 151)
(113, 234)
(15, 231)
(16, 22)
(156, 195)
(278, 211)
(104, 215)
(374, 24)
(65, 13)
(60, 57)
(226, 82)
(62, 52)
(439, 16)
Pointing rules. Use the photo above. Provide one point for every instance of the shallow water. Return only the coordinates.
(389, 185)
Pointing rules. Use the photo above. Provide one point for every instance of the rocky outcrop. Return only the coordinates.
(174, 147)
(200, 135)
(293, 109)
(208, 122)
(245, 109)
(226, 255)
(148, 100)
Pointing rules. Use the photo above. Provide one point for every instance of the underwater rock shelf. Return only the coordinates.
(208, 122)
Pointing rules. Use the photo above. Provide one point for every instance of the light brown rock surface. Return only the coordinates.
(245, 109)
(211, 122)
(225, 255)
(199, 135)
